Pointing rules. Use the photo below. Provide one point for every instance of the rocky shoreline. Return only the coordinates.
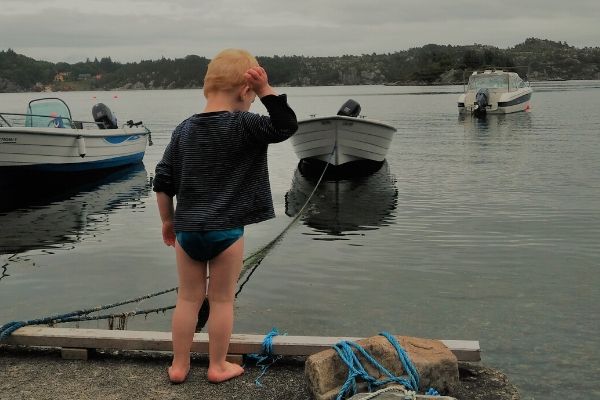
(41, 373)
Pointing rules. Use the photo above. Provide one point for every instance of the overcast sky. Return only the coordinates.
(132, 30)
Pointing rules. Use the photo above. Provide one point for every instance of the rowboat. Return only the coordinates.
(47, 139)
(342, 138)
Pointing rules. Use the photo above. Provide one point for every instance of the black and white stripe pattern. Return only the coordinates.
(216, 166)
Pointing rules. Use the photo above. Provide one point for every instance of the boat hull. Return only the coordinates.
(70, 150)
(339, 140)
(500, 102)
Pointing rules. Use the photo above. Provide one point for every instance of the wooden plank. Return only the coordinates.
(464, 350)
(235, 359)
(68, 353)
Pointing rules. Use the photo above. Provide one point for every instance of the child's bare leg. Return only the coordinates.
(224, 272)
(191, 293)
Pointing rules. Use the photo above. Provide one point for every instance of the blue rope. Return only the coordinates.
(266, 357)
(432, 392)
(407, 364)
(356, 370)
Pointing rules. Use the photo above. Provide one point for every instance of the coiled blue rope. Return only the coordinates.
(345, 349)
(266, 357)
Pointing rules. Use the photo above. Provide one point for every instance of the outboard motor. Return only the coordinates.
(104, 118)
(481, 102)
(350, 109)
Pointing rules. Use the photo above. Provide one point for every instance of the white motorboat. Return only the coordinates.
(47, 139)
(342, 138)
(495, 92)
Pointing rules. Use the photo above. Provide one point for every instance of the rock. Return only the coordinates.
(478, 382)
(435, 363)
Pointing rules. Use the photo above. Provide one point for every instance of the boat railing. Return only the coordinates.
(13, 120)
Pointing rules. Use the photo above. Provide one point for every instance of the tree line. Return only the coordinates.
(535, 59)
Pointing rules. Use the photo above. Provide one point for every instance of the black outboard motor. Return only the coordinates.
(350, 109)
(481, 102)
(104, 118)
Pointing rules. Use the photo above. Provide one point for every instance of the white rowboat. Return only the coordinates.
(340, 139)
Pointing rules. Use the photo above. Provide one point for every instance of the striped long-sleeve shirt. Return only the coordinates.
(216, 166)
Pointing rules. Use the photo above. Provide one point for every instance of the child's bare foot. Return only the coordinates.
(217, 374)
(178, 375)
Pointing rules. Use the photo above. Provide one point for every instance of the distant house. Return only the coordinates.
(98, 77)
(61, 76)
(84, 77)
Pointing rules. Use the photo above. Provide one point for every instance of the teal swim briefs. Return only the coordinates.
(206, 245)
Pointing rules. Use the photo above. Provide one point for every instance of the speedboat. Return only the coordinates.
(495, 92)
(47, 139)
(342, 138)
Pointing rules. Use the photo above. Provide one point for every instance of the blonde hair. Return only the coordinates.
(226, 71)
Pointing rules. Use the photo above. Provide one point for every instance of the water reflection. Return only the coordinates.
(496, 123)
(54, 212)
(341, 206)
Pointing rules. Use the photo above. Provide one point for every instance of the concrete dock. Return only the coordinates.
(40, 373)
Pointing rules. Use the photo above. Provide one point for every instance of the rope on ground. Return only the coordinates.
(266, 357)
(394, 388)
(345, 350)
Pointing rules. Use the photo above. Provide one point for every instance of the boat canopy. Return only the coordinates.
(48, 112)
(500, 80)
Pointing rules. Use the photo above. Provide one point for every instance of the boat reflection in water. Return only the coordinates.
(61, 209)
(347, 205)
(497, 124)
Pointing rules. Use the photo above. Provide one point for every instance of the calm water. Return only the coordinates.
(483, 230)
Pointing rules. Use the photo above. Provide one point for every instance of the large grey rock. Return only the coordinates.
(435, 363)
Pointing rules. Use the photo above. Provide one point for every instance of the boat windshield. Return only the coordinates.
(44, 113)
(488, 81)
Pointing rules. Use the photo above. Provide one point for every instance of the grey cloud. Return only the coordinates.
(149, 29)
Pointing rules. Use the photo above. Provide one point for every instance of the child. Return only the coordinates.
(216, 166)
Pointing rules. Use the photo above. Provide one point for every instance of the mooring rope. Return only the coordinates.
(78, 315)
(250, 263)
(253, 260)
(345, 350)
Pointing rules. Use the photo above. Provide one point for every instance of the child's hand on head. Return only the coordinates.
(257, 79)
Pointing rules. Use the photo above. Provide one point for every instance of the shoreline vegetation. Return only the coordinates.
(432, 64)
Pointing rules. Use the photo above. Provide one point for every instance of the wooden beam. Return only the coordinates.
(464, 350)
